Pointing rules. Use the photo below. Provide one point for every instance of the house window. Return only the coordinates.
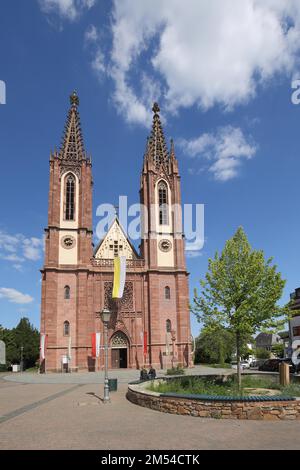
(70, 198)
(168, 326)
(66, 328)
(67, 293)
(167, 293)
(163, 203)
(296, 331)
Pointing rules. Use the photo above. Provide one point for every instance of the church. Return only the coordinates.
(77, 278)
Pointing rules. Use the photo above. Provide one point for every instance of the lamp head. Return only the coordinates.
(105, 315)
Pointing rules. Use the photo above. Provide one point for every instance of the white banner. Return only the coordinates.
(42, 346)
(98, 338)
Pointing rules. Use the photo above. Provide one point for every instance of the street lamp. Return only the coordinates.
(105, 317)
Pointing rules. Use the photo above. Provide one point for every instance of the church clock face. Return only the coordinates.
(68, 242)
(165, 245)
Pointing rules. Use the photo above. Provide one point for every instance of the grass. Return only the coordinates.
(176, 371)
(32, 369)
(210, 386)
(225, 365)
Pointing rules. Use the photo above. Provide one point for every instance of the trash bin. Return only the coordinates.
(113, 385)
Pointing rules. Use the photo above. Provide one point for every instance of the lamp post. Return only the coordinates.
(173, 338)
(105, 317)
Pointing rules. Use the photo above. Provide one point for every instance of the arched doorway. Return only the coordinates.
(119, 350)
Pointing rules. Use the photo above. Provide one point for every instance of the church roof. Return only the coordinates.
(72, 147)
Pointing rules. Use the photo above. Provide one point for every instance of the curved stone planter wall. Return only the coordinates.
(214, 408)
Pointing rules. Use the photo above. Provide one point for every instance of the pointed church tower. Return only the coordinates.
(68, 244)
(162, 247)
(162, 237)
(69, 230)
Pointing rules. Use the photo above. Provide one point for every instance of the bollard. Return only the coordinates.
(284, 373)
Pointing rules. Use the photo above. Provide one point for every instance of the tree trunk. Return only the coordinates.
(238, 357)
(221, 355)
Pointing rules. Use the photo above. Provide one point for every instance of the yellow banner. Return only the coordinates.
(119, 277)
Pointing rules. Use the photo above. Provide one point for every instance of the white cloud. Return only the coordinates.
(18, 267)
(91, 34)
(92, 39)
(203, 53)
(98, 63)
(32, 248)
(68, 9)
(18, 248)
(222, 151)
(14, 296)
(8, 242)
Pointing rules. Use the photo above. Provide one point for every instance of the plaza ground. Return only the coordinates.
(66, 412)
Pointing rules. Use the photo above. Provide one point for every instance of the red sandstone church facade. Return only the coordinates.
(77, 279)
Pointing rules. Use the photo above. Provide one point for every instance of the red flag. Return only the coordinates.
(145, 343)
(93, 344)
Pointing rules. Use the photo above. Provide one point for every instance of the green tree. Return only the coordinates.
(24, 335)
(278, 350)
(262, 353)
(240, 292)
(28, 337)
(214, 345)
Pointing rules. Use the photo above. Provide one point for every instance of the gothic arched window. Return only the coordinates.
(70, 197)
(67, 294)
(167, 292)
(66, 328)
(168, 326)
(163, 203)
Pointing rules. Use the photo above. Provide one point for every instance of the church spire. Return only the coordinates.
(157, 149)
(72, 148)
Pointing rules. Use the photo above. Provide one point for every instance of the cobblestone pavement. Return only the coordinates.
(73, 416)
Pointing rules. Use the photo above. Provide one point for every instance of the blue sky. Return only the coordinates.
(222, 73)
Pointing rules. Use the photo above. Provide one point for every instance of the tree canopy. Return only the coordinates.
(240, 291)
(24, 335)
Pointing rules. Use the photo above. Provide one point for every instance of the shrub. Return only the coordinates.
(175, 371)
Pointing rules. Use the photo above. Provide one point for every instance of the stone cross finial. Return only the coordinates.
(74, 100)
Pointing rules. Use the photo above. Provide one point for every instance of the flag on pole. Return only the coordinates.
(145, 343)
(119, 277)
(96, 344)
(43, 346)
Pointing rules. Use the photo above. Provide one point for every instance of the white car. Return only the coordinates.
(243, 365)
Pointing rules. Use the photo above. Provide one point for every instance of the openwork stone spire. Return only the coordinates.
(72, 149)
(157, 148)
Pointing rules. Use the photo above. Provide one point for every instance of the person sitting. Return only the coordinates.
(143, 374)
(151, 373)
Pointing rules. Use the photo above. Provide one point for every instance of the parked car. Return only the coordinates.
(243, 365)
(272, 365)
